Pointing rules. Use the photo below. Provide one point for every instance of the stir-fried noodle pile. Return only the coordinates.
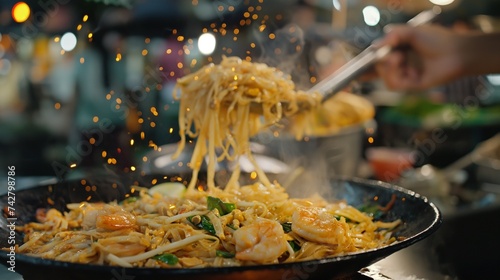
(212, 225)
(216, 109)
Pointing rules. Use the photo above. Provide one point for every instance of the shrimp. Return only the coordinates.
(107, 217)
(49, 220)
(262, 241)
(316, 224)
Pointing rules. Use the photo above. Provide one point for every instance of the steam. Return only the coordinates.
(286, 52)
(312, 162)
(308, 170)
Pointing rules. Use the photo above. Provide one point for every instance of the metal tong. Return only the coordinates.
(339, 79)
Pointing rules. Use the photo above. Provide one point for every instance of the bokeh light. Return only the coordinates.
(442, 2)
(371, 15)
(68, 41)
(21, 12)
(336, 5)
(207, 43)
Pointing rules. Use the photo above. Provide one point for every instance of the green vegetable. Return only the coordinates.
(224, 254)
(129, 200)
(287, 227)
(223, 207)
(167, 258)
(204, 224)
(294, 245)
(372, 209)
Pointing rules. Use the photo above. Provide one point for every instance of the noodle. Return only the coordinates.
(215, 108)
(231, 225)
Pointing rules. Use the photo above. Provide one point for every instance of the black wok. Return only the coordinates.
(420, 217)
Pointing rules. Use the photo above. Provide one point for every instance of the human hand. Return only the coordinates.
(422, 57)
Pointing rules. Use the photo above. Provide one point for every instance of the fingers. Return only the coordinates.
(389, 70)
(422, 57)
(396, 73)
(397, 70)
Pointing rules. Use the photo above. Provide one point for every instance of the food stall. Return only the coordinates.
(98, 105)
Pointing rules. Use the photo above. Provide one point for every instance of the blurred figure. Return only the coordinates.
(13, 80)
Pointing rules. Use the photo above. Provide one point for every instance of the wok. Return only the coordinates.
(420, 219)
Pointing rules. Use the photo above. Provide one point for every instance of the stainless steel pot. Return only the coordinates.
(339, 153)
(313, 161)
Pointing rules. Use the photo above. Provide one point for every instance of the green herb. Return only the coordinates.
(224, 254)
(372, 209)
(204, 224)
(287, 227)
(294, 245)
(223, 207)
(129, 200)
(167, 258)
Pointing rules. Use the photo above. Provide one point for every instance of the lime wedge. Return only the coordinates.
(170, 189)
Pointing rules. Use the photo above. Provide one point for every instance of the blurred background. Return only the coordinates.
(88, 83)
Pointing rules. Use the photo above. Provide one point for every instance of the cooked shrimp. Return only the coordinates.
(107, 217)
(262, 241)
(115, 221)
(316, 224)
(49, 220)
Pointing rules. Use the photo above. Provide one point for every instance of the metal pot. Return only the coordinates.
(313, 161)
(339, 153)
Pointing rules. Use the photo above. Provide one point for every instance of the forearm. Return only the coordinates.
(480, 53)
